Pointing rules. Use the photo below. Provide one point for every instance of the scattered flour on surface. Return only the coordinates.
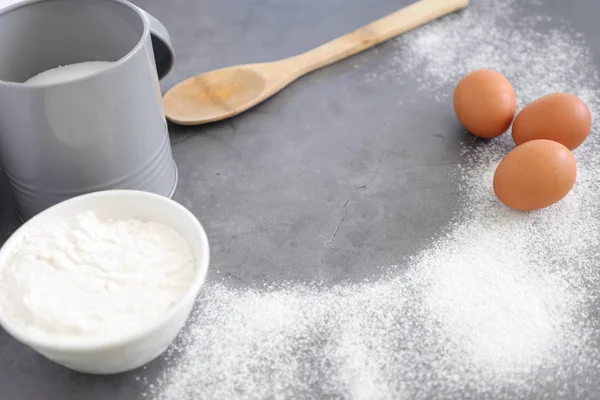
(500, 302)
(90, 278)
(531, 52)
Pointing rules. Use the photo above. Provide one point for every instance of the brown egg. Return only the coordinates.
(561, 117)
(535, 175)
(485, 103)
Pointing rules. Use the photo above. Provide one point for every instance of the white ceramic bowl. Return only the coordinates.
(138, 348)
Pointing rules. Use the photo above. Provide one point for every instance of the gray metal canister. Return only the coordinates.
(98, 132)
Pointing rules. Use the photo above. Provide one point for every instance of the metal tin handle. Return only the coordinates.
(164, 56)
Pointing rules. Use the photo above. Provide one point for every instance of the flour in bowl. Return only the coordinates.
(92, 278)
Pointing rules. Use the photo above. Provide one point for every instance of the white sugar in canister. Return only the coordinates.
(70, 72)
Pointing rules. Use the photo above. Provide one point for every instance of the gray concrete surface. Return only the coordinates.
(326, 181)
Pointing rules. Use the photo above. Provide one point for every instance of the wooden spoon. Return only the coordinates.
(226, 92)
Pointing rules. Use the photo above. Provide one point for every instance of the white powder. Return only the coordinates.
(71, 72)
(91, 278)
(500, 305)
(437, 55)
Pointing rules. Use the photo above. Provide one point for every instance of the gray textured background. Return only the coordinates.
(332, 153)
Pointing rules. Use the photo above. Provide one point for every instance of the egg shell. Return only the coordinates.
(485, 103)
(561, 117)
(535, 175)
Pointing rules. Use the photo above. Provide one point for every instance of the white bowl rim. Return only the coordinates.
(85, 345)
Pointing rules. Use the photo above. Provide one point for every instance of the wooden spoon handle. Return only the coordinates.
(392, 25)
